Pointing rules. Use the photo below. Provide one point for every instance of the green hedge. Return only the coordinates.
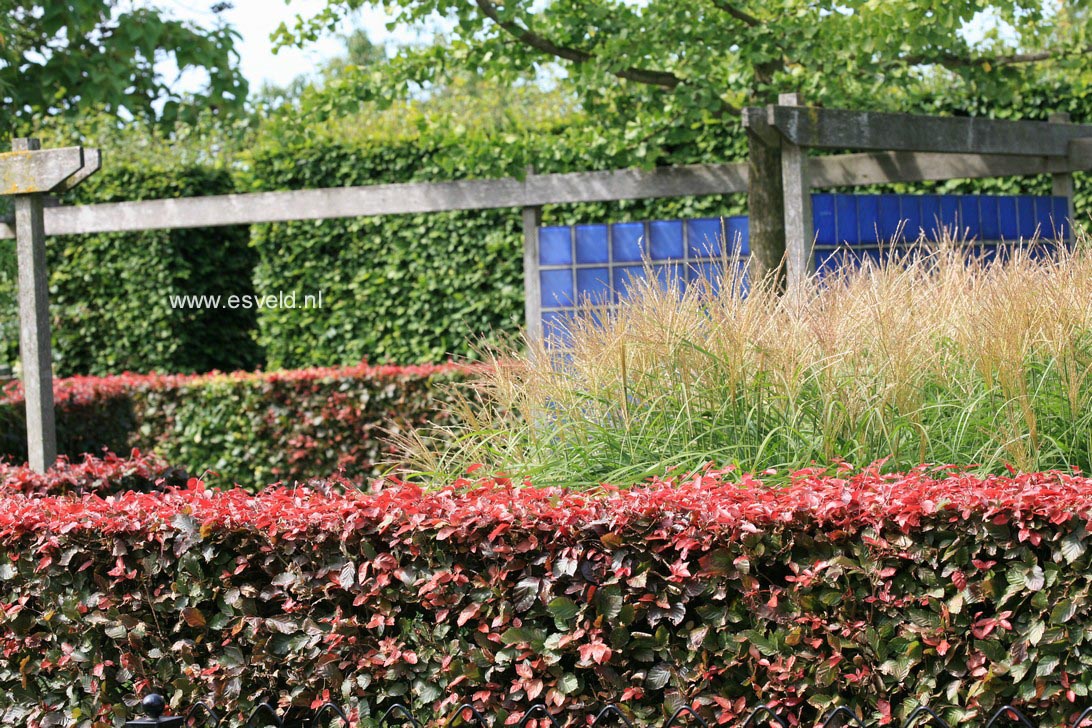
(109, 293)
(415, 287)
(875, 592)
(250, 429)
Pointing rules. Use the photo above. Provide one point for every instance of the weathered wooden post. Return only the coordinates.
(1062, 185)
(796, 182)
(27, 173)
(532, 286)
(765, 198)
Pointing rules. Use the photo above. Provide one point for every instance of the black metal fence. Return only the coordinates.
(202, 715)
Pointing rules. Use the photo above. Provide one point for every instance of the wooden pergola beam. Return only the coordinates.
(534, 191)
(869, 130)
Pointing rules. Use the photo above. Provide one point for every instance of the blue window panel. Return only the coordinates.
(970, 217)
(868, 219)
(666, 239)
(1025, 207)
(591, 244)
(949, 216)
(739, 234)
(1009, 221)
(555, 245)
(627, 241)
(989, 208)
(556, 328)
(1061, 216)
(593, 285)
(910, 212)
(704, 237)
(706, 274)
(1044, 215)
(824, 220)
(557, 288)
(875, 255)
(930, 216)
(624, 279)
(890, 219)
(845, 209)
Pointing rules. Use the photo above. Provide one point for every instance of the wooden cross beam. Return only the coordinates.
(26, 173)
(808, 126)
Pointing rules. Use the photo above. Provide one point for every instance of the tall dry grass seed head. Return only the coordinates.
(933, 356)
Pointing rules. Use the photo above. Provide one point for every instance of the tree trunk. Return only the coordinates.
(766, 206)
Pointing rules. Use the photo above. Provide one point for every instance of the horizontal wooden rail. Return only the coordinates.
(535, 190)
(843, 129)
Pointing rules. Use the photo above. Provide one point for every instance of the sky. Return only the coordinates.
(255, 20)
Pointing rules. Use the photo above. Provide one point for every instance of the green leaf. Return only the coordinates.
(563, 609)
(1035, 631)
(1072, 547)
(1034, 579)
(658, 676)
(516, 635)
(1063, 611)
(568, 684)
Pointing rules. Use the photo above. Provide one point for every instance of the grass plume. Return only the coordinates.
(933, 357)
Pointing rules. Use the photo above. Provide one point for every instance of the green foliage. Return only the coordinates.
(77, 56)
(666, 67)
(109, 293)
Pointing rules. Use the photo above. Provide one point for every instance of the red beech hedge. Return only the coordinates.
(876, 591)
(251, 428)
(103, 476)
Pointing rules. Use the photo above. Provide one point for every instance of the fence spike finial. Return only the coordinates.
(329, 707)
(267, 708)
(1020, 717)
(684, 709)
(841, 710)
(537, 708)
(399, 707)
(476, 716)
(207, 712)
(767, 711)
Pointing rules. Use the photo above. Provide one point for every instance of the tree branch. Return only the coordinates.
(741, 16)
(663, 79)
(949, 60)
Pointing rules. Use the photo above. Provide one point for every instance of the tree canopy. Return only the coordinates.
(680, 63)
(72, 56)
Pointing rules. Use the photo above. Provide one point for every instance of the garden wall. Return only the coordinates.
(249, 428)
(878, 592)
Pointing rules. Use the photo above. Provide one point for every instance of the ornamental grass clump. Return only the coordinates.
(933, 357)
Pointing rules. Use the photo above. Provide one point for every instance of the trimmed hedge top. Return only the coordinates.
(693, 512)
(102, 476)
(83, 390)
